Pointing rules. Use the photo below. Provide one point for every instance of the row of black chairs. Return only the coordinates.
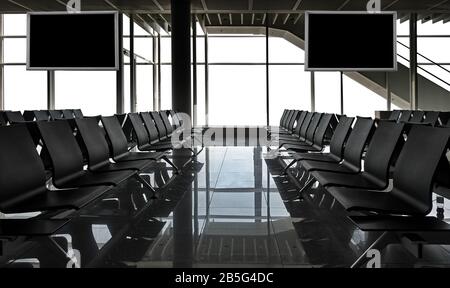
(66, 146)
(433, 118)
(410, 156)
(11, 117)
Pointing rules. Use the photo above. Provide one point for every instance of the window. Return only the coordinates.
(328, 92)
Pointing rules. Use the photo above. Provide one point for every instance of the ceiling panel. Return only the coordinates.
(274, 5)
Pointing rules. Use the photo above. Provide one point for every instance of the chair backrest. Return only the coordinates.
(41, 115)
(68, 114)
(312, 128)
(386, 140)
(340, 136)
(94, 141)
(406, 115)
(14, 117)
(417, 116)
(151, 127)
(357, 141)
(305, 125)
(287, 119)
(166, 121)
(175, 120)
(395, 115)
(300, 120)
(78, 113)
(56, 114)
(322, 128)
(432, 118)
(283, 117)
(116, 136)
(159, 125)
(3, 120)
(23, 174)
(65, 153)
(291, 123)
(139, 129)
(416, 166)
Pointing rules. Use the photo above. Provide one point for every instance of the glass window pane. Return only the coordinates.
(328, 92)
(201, 95)
(166, 50)
(15, 24)
(94, 92)
(237, 49)
(144, 48)
(290, 88)
(237, 95)
(126, 92)
(20, 96)
(15, 50)
(283, 51)
(361, 101)
(144, 87)
(166, 87)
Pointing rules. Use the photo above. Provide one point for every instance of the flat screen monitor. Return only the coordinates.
(350, 41)
(72, 41)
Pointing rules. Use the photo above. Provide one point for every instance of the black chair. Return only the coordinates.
(296, 132)
(56, 114)
(67, 159)
(412, 180)
(3, 120)
(36, 115)
(14, 117)
(308, 139)
(353, 151)
(154, 133)
(166, 121)
(432, 118)
(383, 148)
(176, 122)
(162, 131)
(289, 127)
(68, 114)
(395, 115)
(78, 113)
(406, 115)
(417, 116)
(23, 185)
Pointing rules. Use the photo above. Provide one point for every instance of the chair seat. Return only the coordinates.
(320, 157)
(309, 165)
(347, 180)
(368, 200)
(133, 156)
(137, 165)
(95, 179)
(302, 148)
(61, 199)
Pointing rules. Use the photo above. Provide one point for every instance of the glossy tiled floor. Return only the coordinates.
(228, 210)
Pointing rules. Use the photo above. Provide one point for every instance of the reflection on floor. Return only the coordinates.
(230, 209)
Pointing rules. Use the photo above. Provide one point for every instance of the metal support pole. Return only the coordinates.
(194, 70)
(413, 78)
(388, 93)
(133, 96)
(206, 80)
(267, 73)
(313, 92)
(120, 73)
(342, 93)
(155, 73)
(159, 73)
(50, 90)
(2, 89)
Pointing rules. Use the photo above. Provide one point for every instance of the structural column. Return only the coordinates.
(388, 93)
(181, 55)
(194, 70)
(414, 87)
(155, 73)
(119, 74)
(133, 96)
(51, 90)
(2, 101)
(267, 74)
(342, 92)
(206, 80)
(313, 92)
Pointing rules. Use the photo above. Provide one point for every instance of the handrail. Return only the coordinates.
(426, 58)
(426, 71)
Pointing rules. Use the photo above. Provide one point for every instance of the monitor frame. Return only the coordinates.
(349, 69)
(116, 42)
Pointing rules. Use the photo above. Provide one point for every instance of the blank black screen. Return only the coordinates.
(351, 41)
(74, 41)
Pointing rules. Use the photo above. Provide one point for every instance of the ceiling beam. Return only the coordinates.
(296, 5)
(298, 18)
(158, 5)
(343, 5)
(264, 19)
(390, 4)
(242, 18)
(220, 19)
(20, 5)
(231, 19)
(250, 5)
(253, 18)
(275, 19)
(112, 5)
(438, 4)
(286, 19)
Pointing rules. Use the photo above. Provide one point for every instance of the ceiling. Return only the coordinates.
(282, 14)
